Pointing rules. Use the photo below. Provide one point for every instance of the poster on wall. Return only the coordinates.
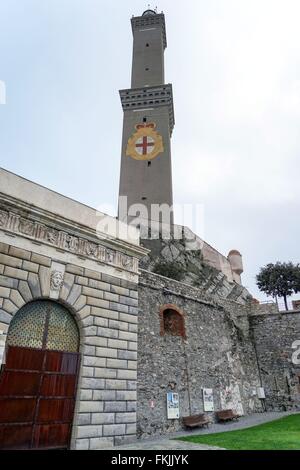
(208, 399)
(173, 405)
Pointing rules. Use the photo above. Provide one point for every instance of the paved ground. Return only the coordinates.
(166, 443)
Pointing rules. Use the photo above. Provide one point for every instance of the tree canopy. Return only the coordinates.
(279, 280)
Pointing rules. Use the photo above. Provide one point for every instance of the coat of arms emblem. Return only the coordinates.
(145, 143)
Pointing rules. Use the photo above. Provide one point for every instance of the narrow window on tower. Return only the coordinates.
(149, 164)
(147, 45)
(144, 119)
(147, 69)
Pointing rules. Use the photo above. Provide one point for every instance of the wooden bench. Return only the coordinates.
(196, 421)
(226, 415)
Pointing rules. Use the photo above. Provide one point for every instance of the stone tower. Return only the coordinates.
(146, 176)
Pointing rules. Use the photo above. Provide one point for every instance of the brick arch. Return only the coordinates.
(175, 311)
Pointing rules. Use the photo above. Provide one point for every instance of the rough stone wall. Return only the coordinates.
(274, 335)
(218, 353)
(105, 308)
(197, 270)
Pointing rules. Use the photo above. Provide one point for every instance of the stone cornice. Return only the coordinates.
(28, 221)
(149, 97)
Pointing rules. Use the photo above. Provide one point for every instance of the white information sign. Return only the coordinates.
(173, 405)
(208, 399)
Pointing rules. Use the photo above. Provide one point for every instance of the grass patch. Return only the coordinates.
(282, 434)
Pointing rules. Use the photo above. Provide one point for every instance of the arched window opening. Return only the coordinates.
(172, 321)
(44, 324)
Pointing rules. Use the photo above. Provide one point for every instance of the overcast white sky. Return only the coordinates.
(235, 69)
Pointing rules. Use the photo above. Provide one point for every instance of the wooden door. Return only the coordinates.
(38, 388)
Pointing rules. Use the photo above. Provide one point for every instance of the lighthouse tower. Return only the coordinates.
(146, 174)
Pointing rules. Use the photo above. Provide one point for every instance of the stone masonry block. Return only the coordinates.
(118, 307)
(128, 318)
(120, 290)
(80, 303)
(34, 284)
(40, 259)
(74, 294)
(89, 291)
(15, 273)
(29, 266)
(96, 341)
(131, 406)
(102, 395)
(5, 317)
(132, 365)
(94, 384)
(134, 294)
(128, 336)
(89, 350)
(128, 284)
(107, 333)
(88, 321)
(4, 292)
(106, 352)
(118, 325)
(85, 312)
(89, 431)
(10, 261)
(126, 395)
(114, 429)
(129, 355)
(82, 444)
(126, 418)
(88, 372)
(8, 282)
(83, 281)
(127, 374)
(100, 443)
(9, 306)
(83, 419)
(16, 298)
(112, 384)
(91, 361)
(44, 275)
(4, 248)
(103, 418)
(116, 343)
(99, 321)
(133, 328)
(131, 428)
(110, 296)
(86, 395)
(19, 253)
(128, 301)
(133, 310)
(67, 285)
(92, 274)
(99, 285)
(105, 373)
(25, 291)
(90, 406)
(97, 302)
(116, 364)
(72, 269)
(115, 406)
(101, 312)
(91, 331)
(132, 346)
(115, 281)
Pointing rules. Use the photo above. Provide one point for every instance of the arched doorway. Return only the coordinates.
(39, 378)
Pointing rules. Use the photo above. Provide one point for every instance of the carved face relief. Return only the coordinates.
(56, 280)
